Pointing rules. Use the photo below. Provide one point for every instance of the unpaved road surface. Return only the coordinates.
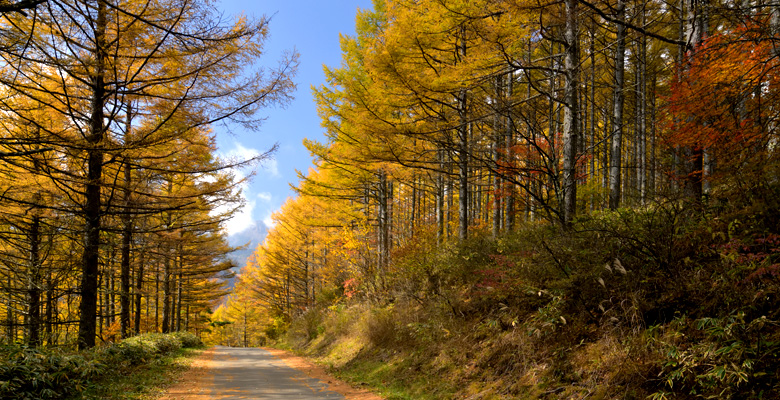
(230, 373)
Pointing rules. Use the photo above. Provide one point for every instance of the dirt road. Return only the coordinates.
(229, 373)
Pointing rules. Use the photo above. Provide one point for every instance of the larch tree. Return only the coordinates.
(86, 60)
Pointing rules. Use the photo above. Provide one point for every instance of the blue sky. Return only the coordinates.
(312, 28)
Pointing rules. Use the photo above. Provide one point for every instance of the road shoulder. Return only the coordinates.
(315, 371)
(190, 384)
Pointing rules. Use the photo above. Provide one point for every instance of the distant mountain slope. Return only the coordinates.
(248, 240)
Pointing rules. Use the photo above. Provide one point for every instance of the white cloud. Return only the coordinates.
(244, 219)
(268, 221)
(242, 153)
(241, 220)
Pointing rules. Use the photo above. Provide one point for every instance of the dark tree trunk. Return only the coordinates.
(51, 311)
(594, 154)
(166, 315)
(617, 112)
(179, 292)
(138, 287)
(92, 206)
(509, 142)
(440, 199)
(463, 151)
(10, 318)
(156, 297)
(498, 136)
(383, 222)
(127, 237)
(34, 283)
(696, 27)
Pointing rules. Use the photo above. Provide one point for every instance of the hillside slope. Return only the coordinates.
(660, 304)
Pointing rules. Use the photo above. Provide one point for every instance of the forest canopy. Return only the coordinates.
(452, 117)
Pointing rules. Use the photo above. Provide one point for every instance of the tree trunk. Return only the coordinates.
(413, 212)
(179, 292)
(51, 311)
(9, 310)
(92, 207)
(34, 281)
(450, 196)
(440, 199)
(246, 344)
(138, 287)
(617, 112)
(774, 25)
(127, 237)
(509, 142)
(642, 117)
(552, 177)
(571, 113)
(156, 296)
(694, 155)
(110, 281)
(166, 315)
(498, 135)
(383, 225)
(463, 150)
(594, 154)
(651, 183)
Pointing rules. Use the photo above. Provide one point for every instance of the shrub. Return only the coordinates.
(725, 358)
(130, 351)
(188, 339)
(276, 329)
(340, 319)
(382, 328)
(165, 344)
(306, 327)
(27, 373)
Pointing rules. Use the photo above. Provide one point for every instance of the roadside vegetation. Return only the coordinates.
(668, 302)
(135, 368)
(662, 303)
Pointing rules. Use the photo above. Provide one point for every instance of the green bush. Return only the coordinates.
(27, 373)
(188, 340)
(306, 327)
(143, 348)
(725, 358)
(276, 329)
(132, 352)
(166, 344)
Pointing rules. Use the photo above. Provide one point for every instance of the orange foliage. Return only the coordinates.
(721, 97)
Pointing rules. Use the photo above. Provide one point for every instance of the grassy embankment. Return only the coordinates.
(136, 368)
(661, 304)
